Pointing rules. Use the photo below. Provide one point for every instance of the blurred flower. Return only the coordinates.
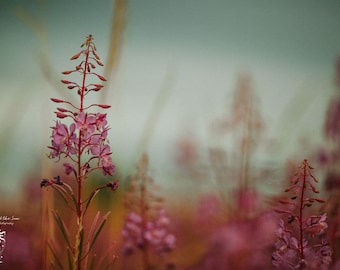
(332, 181)
(243, 244)
(316, 225)
(247, 200)
(154, 233)
(301, 244)
(332, 123)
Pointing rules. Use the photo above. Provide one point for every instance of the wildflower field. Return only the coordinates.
(170, 135)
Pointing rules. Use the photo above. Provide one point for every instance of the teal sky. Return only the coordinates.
(288, 47)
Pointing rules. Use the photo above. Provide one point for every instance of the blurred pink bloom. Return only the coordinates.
(332, 123)
(316, 225)
(243, 244)
(247, 200)
(155, 234)
(287, 254)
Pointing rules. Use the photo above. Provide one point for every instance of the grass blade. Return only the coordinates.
(69, 259)
(55, 257)
(98, 230)
(62, 227)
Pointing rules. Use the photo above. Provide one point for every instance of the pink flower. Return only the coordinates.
(61, 135)
(63, 140)
(56, 149)
(155, 234)
(68, 168)
(105, 161)
(97, 143)
(316, 225)
(100, 121)
(86, 123)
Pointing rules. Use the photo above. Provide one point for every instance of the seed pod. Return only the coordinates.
(61, 115)
(104, 106)
(101, 77)
(320, 200)
(96, 55)
(66, 81)
(76, 55)
(62, 109)
(280, 211)
(56, 100)
(99, 63)
(288, 189)
(67, 72)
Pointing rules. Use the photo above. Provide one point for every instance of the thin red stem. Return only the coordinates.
(82, 93)
(79, 167)
(301, 208)
(143, 206)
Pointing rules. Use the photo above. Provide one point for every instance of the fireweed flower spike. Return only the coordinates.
(83, 143)
(301, 239)
(147, 225)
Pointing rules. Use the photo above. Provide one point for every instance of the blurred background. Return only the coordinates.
(178, 60)
(173, 70)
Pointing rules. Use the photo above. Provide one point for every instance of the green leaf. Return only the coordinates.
(81, 243)
(55, 257)
(93, 263)
(68, 196)
(62, 227)
(98, 230)
(91, 197)
(69, 259)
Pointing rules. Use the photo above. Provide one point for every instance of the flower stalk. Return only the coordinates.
(84, 144)
(301, 240)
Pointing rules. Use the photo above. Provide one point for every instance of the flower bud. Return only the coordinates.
(67, 72)
(61, 115)
(99, 63)
(76, 55)
(56, 100)
(62, 109)
(101, 77)
(104, 106)
(66, 81)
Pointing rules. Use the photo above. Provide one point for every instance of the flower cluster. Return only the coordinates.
(301, 240)
(146, 229)
(287, 248)
(91, 131)
(155, 234)
(87, 133)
